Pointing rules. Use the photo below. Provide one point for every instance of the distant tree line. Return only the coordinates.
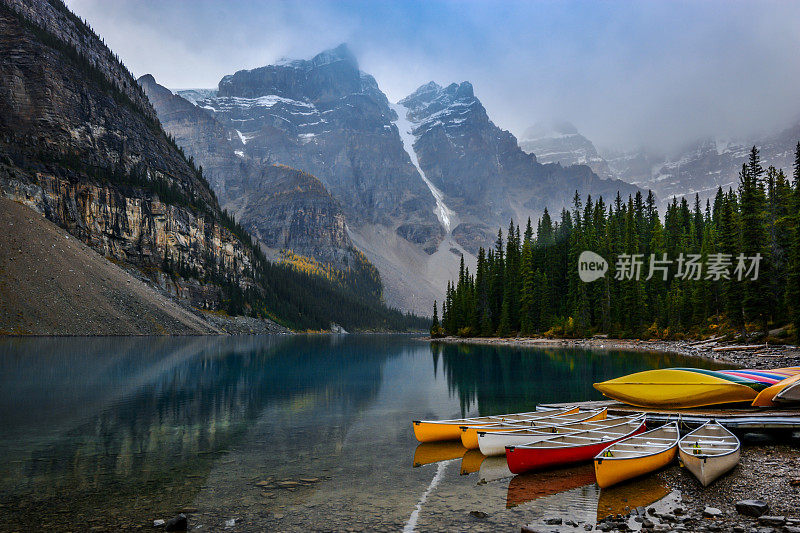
(528, 284)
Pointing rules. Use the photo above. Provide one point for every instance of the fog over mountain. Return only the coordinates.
(627, 74)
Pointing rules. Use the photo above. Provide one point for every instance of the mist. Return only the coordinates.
(654, 75)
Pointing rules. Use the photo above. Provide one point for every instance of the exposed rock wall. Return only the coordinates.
(69, 141)
(284, 208)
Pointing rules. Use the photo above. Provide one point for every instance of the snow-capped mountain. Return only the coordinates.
(284, 208)
(419, 182)
(704, 166)
(560, 142)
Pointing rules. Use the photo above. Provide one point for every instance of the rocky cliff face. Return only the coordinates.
(485, 176)
(284, 208)
(76, 145)
(326, 117)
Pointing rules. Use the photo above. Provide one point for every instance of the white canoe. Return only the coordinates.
(709, 451)
(494, 443)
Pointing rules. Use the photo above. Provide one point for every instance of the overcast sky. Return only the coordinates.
(626, 74)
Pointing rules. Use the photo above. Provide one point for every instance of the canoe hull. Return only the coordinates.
(708, 468)
(774, 394)
(435, 431)
(609, 472)
(790, 394)
(522, 459)
(675, 388)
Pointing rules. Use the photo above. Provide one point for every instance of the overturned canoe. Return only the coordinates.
(569, 449)
(786, 391)
(691, 387)
(494, 443)
(789, 394)
(436, 430)
(709, 451)
(469, 434)
(637, 455)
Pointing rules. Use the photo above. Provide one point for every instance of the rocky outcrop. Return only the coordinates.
(76, 146)
(284, 208)
(703, 167)
(55, 18)
(289, 209)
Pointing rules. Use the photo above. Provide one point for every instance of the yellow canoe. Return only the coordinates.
(767, 397)
(637, 455)
(469, 434)
(678, 388)
(437, 430)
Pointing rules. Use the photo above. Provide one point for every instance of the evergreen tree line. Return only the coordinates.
(528, 283)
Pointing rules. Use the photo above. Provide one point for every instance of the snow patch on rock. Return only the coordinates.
(404, 126)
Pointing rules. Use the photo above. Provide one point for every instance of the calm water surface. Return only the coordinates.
(282, 433)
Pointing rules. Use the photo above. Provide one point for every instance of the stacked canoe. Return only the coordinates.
(696, 387)
(620, 447)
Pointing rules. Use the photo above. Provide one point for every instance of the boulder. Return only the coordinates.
(754, 508)
(178, 523)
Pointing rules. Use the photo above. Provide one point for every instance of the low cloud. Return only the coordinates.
(627, 74)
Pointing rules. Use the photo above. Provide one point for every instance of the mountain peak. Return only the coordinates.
(340, 53)
(461, 90)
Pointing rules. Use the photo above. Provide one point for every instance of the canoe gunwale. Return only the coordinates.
(534, 414)
(536, 446)
(687, 451)
(542, 430)
(518, 425)
(665, 448)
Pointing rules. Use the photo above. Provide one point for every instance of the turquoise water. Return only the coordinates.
(273, 433)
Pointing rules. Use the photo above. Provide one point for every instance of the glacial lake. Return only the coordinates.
(283, 433)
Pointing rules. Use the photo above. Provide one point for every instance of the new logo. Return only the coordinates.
(591, 266)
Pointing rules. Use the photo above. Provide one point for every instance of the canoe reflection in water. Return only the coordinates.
(528, 487)
(620, 499)
(433, 452)
(471, 462)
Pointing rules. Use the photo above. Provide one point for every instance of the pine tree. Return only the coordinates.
(793, 283)
(752, 204)
(435, 327)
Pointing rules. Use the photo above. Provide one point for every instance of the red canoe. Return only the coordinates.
(568, 449)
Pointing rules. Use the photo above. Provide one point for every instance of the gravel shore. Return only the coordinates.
(766, 356)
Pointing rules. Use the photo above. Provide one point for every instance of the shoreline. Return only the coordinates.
(766, 356)
(769, 469)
